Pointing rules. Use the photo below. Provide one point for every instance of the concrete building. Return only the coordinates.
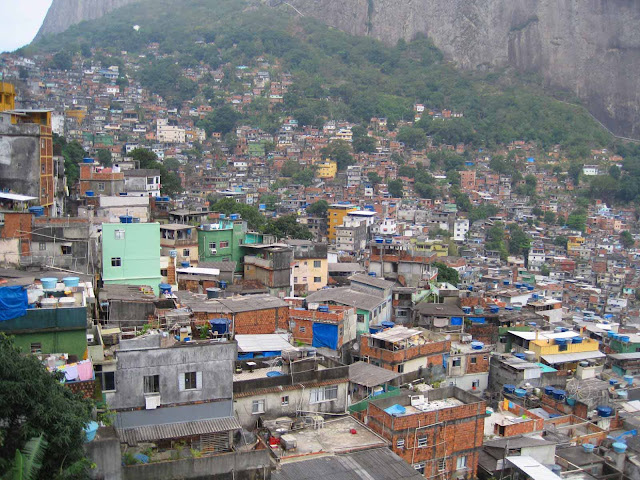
(26, 154)
(131, 254)
(310, 269)
(142, 183)
(331, 327)
(271, 266)
(166, 133)
(439, 432)
(181, 238)
(97, 180)
(351, 237)
(405, 350)
(225, 240)
(311, 385)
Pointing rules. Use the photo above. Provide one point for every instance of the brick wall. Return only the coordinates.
(481, 365)
(433, 352)
(86, 389)
(18, 225)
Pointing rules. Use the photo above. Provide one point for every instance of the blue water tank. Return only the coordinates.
(613, 381)
(576, 340)
(372, 274)
(506, 282)
(323, 308)
(37, 211)
(387, 324)
(520, 392)
(222, 284)
(164, 288)
(477, 345)
(234, 216)
(274, 374)
(508, 388)
(184, 264)
(126, 219)
(610, 334)
(619, 447)
(71, 281)
(89, 193)
(388, 240)
(519, 355)
(466, 310)
(628, 379)
(548, 390)
(213, 292)
(624, 338)
(604, 411)
(90, 431)
(530, 287)
(495, 309)
(87, 160)
(559, 394)
(561, 341)
(379, 240)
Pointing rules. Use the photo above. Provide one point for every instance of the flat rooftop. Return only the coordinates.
(334, 437)
(427, 406)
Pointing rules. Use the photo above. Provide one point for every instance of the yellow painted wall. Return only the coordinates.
(7, 96)
(336, 217)
(327, 169)
(541, 347)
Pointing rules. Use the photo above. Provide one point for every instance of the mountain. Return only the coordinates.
(64, 13)
(590, 47)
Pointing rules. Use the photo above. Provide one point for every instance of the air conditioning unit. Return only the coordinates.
(152, 401)
(213, 251)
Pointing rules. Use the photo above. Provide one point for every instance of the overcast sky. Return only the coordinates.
(20, 21)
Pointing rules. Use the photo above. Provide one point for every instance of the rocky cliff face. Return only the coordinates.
(64, 13)
(591, 47)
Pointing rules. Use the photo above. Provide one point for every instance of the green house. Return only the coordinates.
(50, 330)
(225, 240)
(131, 254)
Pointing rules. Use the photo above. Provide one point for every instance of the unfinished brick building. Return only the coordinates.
(439, 432)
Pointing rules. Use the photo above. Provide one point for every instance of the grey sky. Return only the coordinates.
(20, 21)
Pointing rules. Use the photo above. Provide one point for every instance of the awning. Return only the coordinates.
(572, 357)
(152, 433)
(16, 198)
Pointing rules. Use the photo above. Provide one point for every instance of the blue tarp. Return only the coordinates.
(245, 356)
(456, 320)
(219, 325)
(477, 319)
(325, 335)
(395, 410)
(13, 303)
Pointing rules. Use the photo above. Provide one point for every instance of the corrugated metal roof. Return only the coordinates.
(273, 342)
(370, 375)
(374, 464)
(532, 468)
(346, 296)
(572, 357)
(151, 433)
(250, 303)
(396, 334)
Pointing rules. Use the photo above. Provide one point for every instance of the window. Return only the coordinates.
(400, 443)
(303, 329)
(224, 244)
(101, 186)
(185, 252)
(442, 464)
(116, 261)
(401, 368)
(317, 264)
(191, 381)
(295, 279)
(66, 249)
(118, 234)
(422, 442)
(212, 245)
(36, 348)
(324, 394)
(455, 362)
(360, 318)
(284, 401)
(317, 279)
(419, 467)
(164, 272)
(257, 407)
(461, 463)
(42, 246)
(474, 360)
(107, 379)
(152, 384)
(475, 384)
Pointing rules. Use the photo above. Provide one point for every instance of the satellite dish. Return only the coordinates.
(356, 347)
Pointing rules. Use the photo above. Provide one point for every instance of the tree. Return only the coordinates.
(447, 274)
(364, 144)
(545, 271)
(395, 188)
(318, 208)
(340, 152)
(27, 464)
(412, 137)
(73, 154)
(222, 120)
(560, 241)
(251, 215)
(575, 172)
(290, 168)
(171, 183)
(577, 220)
(519, 242)
(104, 157)
(304, 177)
(288, 227)
(39, 405)
(627, 240)
(269, 200)
(374, 178)
(62, 61)
(614, 172)
(172, 164)
(549, 217)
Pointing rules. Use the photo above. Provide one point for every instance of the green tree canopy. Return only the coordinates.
(318, 208)
(626, 239)
(340, 152)
(104, 157)
(33, 403)
(288, 227)
(374, 178)
(395, 188)
(447, 274)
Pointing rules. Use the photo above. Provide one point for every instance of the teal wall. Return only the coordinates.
(232, 232)
(58, 330)
(360, 328)
(139, 251)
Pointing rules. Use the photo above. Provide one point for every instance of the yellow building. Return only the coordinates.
(336, 214)
(7, 96)
(546, 348)
(327, 169)
(574, 243)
